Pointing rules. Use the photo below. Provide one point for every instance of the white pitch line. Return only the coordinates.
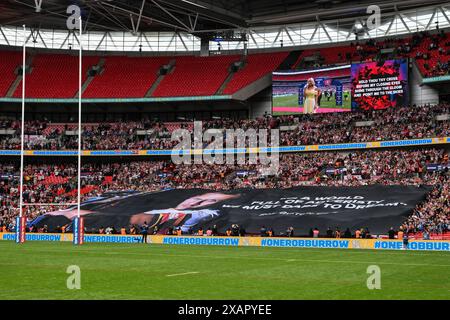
(181, 274)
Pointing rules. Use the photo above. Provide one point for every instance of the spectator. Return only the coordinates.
(391, 233)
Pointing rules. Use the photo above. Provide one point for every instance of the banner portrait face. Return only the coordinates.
(375, 207)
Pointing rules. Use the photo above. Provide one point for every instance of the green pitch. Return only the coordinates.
(37, 270)
(292, 101)
(286, 101)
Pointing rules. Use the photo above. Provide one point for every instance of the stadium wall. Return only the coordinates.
(261, 104)
(375, 244)
(421, 93)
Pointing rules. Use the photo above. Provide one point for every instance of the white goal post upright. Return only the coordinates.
(80, 70)
(21, 219)
(78, 225)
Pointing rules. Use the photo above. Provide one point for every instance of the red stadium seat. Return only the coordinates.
(54, 76)
(196, 76)
(258, 65)
(129, 77)
(9, 61)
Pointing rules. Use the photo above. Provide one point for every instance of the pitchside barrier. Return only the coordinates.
(377, 244)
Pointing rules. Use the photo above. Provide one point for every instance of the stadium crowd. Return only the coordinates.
(56, 183)
(381, 125)
(431, 51)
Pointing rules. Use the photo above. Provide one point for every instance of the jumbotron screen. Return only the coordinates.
(380, 85)
(291, 96)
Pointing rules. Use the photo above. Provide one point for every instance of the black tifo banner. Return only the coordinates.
(376, 207)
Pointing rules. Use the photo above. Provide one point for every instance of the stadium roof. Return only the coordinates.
(191, 16)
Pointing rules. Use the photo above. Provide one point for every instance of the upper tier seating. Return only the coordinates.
(431, 62)
(330, 56)
(435, 57)
(8, 63)
(196, 76)
(258, 65)
(129, 77)
(171, 126)
(329, 74)
(54, 76)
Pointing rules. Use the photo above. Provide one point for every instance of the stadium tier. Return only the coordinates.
(188, 72)
(49, 182)
(125, 77)
(383, 125)
(8, 66)
(431, 52)
(257, 65)
(54, 76)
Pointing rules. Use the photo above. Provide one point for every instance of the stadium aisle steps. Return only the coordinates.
(54, 76)
(160, 78)
(258, 65)
(10, 60)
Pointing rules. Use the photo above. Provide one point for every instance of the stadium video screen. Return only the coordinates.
(380, 85)
(290, 95)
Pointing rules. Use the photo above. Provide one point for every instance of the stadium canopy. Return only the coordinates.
(180, 25)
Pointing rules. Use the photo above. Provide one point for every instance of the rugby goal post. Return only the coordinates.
(77, 222)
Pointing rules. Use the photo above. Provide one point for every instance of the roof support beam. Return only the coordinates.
(182, 41)
(404, 23)
(111, 17)
(193, 25)
(390, 26)
(323, 27)
(444, 14)
(431, 19)
(136, 27)
(209, 11)
(38, 4)
(61, 12)
(413, 20)
(65, 40)
(4, 36)
(314, 33)
(128, 12)
(289, 35)
(171, 15)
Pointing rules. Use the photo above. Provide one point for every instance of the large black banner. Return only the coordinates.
(375, 207)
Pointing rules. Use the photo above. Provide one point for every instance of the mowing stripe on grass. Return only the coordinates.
(117, 247)
(181, 274)
(252, 257)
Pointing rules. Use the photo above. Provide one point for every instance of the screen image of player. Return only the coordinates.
(312, 91)
(380, 85)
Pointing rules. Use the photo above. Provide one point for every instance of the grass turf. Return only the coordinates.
(37, 270)
(292, 101)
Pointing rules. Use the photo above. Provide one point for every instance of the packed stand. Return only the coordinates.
(381, 125)
(56, 183)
